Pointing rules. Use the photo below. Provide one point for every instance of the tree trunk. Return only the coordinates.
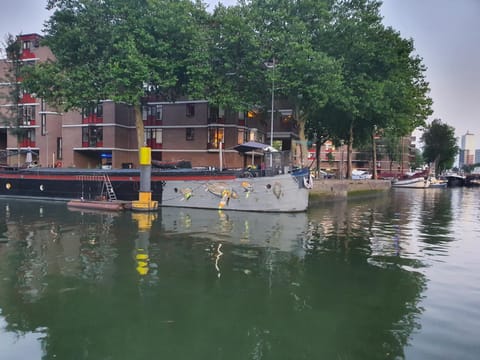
(374, 156)
(318, 156)
(303, 141)
(349, 152)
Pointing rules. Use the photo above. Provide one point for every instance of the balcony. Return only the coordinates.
(27, 143)
(216, 120)
(151, 143)
(27, 54)
(92, 119)
(30, 122)
(151, 120)
(27, 99)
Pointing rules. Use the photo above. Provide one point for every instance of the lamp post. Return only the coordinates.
(46, 138)
(271, 65)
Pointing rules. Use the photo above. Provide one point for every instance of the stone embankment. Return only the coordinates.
(328, 189)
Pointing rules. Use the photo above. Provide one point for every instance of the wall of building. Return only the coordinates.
(119, 131)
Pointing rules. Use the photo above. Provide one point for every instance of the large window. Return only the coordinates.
(152, 112)
(93, 112)
(27, 44)
(154, 138)
(255, 135)
(215, 137)
(242, 136)
(92, 136)
(29, 115)
(27, 138)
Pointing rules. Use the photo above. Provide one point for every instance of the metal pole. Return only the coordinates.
(46, 154)
(341, 167)
(220, 155)
(273, 108)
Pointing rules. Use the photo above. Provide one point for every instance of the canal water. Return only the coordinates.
(395, 276)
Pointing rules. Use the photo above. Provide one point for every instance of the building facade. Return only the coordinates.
(105, 134)
(333, 159)
(467, 150)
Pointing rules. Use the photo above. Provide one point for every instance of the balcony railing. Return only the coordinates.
(92, 119)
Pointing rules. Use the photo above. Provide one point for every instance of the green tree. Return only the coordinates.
(391, 142)
(341, 69)
(287, 33)
(384, 81)
(418, 161)
(440, 145)
(12, 116)
(235, 61)
(122, 50)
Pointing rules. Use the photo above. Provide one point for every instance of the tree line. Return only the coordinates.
(345, 74)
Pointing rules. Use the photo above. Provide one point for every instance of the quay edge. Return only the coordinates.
(330, 190)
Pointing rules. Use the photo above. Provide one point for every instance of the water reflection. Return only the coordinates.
(341, 281)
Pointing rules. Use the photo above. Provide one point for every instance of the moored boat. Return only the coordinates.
(415, 180)
(191, 188)
(437, 184)
(472, 179)
(454, 179)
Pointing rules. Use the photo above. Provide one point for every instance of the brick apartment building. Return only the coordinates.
(105, 135)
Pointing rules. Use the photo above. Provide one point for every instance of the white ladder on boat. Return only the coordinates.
(109, 188)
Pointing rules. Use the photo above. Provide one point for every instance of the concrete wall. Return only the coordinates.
(325, 190)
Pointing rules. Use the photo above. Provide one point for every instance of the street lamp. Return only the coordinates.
(271, 65)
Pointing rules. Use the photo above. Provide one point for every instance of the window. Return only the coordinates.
(154, 138)
(242, 136)
(94, 110)
(190, 134)
(190, 110)
(159, 112)
(27, 138)
(215, 137)
(26, 45)
(59, 148)
(152, 112)
(255, 135)
(92, 136)
(28, 114)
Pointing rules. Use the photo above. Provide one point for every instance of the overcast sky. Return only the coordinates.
(446, 34)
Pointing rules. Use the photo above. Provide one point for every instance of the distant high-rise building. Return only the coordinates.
(467, 149)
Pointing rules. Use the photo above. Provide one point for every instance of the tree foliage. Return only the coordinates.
(12, 117)
(122, 50)
(343, 72)
(440, 145)
(384, 82)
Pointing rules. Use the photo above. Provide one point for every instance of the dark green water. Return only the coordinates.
(391, 277)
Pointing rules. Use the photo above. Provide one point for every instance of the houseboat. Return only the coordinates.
(273, 189)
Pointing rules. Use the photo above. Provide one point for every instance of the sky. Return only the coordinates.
(446, 36)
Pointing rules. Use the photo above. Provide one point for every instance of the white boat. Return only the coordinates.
(437, 183)
(416, 180)
(360, 175)
(280, 193)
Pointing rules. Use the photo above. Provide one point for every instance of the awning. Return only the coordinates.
(254, 146)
